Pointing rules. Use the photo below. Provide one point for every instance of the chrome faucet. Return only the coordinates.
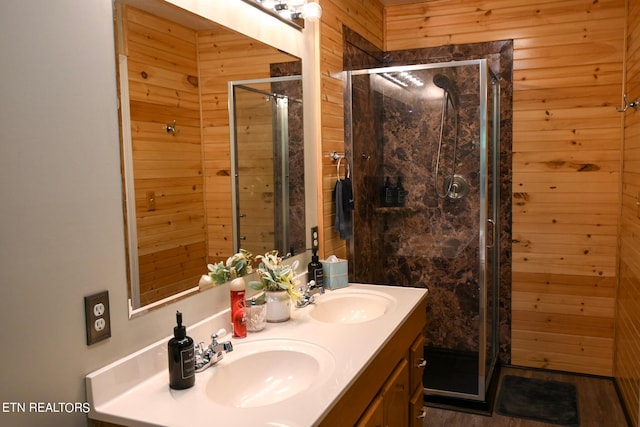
(308, 294)
(211, 355)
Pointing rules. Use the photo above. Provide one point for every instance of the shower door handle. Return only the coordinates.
(493, 233)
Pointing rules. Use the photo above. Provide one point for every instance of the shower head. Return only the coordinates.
(445, 83)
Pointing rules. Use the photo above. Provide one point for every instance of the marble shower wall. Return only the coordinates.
(431, 242)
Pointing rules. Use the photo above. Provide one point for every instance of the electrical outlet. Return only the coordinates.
(315, 239)
(98, 309)
(97, 316)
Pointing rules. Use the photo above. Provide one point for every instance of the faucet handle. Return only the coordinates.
(200, 348)
(221, 332)
(314, 285)
(216, 335)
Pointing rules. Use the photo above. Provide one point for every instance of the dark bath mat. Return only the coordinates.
(551, 402)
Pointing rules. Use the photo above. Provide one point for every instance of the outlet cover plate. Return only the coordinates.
(98, 320)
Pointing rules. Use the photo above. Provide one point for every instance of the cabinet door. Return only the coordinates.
(417, 362)
(395, 395)
(373, 415)
(417, 410)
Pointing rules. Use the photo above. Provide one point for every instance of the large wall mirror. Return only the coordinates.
(199, 101)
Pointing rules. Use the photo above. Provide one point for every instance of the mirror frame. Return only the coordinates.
(256, 24)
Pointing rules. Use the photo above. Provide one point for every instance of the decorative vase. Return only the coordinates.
(278, 306)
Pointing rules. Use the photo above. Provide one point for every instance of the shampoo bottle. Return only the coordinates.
(387, 193)
(315, 271)
(399, 193)
(238, 307)
(182, 360)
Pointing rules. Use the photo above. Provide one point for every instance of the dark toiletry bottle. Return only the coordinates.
(182, 359)
(399, 193)
(315, 271)
(387, 193)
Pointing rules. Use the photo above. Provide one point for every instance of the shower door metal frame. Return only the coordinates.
(484, 373)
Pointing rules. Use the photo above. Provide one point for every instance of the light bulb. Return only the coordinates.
(311, 11)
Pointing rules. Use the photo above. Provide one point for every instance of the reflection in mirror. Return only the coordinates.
(268, 164)
(174, 69)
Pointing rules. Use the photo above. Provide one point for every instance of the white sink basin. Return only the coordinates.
(351, 307)
(265, 372)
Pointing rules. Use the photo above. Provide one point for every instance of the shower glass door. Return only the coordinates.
(434, 129)
(267, 161)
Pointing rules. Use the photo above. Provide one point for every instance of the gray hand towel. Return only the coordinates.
(343, 223)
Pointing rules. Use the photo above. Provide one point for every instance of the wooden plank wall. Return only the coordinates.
(627, 361)
(366, 18)
(566, 162)
(163, 86)
(225, 56)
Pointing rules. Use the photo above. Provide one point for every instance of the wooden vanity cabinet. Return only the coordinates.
(386, 393)
(401, 399)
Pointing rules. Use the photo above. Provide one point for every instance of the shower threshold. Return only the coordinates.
(449, 376)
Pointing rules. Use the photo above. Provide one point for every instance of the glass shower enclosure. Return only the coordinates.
(267, 160)
(428, 135)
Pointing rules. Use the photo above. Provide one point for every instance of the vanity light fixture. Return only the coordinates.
(293, 9)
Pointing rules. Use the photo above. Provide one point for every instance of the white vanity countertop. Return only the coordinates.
(134, 391)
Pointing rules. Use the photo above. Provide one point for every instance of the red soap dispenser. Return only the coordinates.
(238, 307)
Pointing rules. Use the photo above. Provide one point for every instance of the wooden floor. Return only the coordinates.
(598, 404)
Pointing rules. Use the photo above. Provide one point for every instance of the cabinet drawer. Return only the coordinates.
(417, 410)
(395, 395)
(373, 417)
(416, 362)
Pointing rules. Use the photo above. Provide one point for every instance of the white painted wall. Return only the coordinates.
(61, 224)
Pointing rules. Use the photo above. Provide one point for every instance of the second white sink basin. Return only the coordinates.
(351, 307)
(265, 372)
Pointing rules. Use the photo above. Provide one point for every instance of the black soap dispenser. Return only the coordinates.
(182, 359)
(315, 271)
